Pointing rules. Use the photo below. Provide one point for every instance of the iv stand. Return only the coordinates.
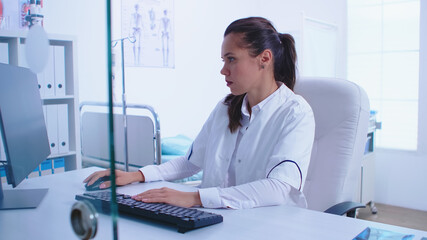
(131, 39)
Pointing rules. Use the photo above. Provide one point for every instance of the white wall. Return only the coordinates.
(402, 176)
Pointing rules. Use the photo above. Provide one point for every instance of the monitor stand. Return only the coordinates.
(21, 198)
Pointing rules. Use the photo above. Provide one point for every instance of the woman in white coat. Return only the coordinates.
(255, 147)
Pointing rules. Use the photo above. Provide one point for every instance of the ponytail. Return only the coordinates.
(285, 61)
(234, 104)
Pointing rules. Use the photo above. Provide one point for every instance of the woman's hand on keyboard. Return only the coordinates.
(170, 196)
(122, 178)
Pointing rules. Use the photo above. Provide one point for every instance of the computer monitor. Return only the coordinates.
(24, 134)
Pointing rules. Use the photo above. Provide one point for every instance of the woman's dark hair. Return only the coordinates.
(259, 34)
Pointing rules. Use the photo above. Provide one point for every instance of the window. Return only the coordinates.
(383, 58)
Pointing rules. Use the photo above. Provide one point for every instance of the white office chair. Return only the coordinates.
(341, 112)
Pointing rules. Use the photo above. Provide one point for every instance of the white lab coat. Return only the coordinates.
(282, 130)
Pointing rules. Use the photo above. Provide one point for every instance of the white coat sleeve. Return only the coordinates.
(175, 169)
(291, 154)
(252, 195)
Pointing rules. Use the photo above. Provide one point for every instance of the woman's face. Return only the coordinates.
(241, 71)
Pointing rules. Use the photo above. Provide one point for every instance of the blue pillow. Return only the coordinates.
(177, 145)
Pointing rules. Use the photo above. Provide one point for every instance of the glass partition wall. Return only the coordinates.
(101, 118)
(71, 59)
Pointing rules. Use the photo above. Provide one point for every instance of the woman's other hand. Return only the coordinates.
(169, 196)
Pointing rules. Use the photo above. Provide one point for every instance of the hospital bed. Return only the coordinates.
(138, 141)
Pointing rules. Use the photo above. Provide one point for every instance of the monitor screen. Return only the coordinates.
(22, 124)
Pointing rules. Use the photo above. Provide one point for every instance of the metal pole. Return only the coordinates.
(125, 128)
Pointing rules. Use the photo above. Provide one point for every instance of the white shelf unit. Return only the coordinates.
(12, 51)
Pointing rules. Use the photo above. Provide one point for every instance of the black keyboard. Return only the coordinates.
(184, 218)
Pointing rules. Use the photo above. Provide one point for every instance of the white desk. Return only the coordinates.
(51, 219)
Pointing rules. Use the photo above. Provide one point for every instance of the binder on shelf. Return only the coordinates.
(23, 63)
(49, 75)
(2, 175)
(63, 137)
(34, 173)
(52, 128)
(46, 167)
(42, 76)
(40, 80)
(58, 165)
(59, 63)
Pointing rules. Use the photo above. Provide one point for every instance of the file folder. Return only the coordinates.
(63, 137)
(2, 175)
(58, 165)
(46, 167)
(49, 75)
(40, 80)
(52, 128)
(59, 71)
(40, 76)
(34, 173)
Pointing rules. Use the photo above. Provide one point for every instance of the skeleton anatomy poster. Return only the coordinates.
(149, 26)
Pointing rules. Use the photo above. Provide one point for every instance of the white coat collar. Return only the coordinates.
(257, 108)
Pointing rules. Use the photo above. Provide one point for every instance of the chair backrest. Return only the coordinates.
(341, 112)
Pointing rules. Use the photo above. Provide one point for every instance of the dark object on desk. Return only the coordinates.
(95, 185)
(184, 218)
(24, 134)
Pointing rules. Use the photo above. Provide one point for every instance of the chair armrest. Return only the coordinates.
(348, 208)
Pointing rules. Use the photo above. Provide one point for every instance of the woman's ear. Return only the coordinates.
(265, 58)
